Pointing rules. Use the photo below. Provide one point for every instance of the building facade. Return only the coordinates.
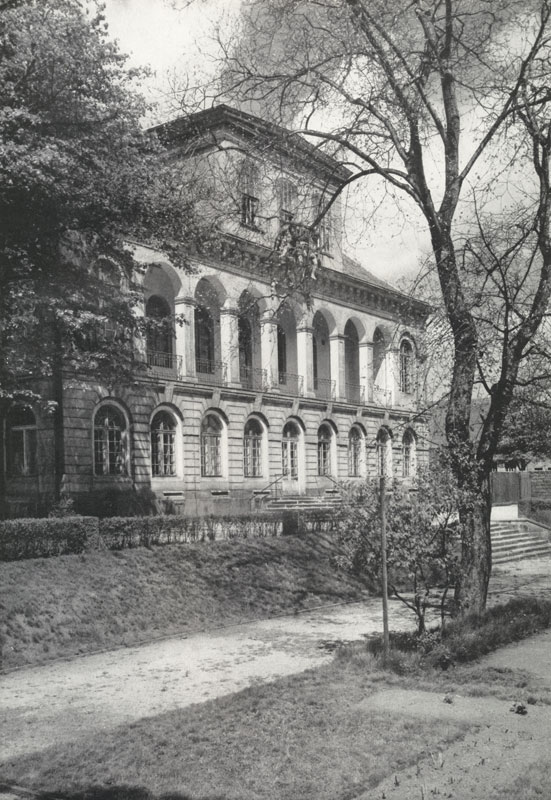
(284, 368)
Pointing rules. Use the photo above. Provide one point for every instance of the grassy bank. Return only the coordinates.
(76, 604)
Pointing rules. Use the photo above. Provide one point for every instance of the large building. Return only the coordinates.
(290, 369)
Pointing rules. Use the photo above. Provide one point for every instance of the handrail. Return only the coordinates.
(265, 489)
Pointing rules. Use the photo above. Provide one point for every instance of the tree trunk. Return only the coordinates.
(471, 589)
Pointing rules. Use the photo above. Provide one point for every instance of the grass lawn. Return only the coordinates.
(308, 736)
(64, 606)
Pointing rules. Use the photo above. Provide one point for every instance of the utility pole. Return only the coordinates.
(384, 576)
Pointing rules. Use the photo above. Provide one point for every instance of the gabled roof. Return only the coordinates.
(355, 270)
(254, 129)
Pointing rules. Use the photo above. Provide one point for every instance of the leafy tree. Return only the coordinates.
(526, 434)
(78, 174)
(422, 538)
(445, 104)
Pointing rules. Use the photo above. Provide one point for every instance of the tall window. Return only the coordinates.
(406, 366)
(204, 340)
(384, 453)
(211, 446)
(110, 442)
(289, 451)
(324, 227)
(355, 441)
(249, 185)
(21, 442)
(159, 332)
(288, 201)
(163, 445)
(252, 449)
(324, 450)
(408, 454)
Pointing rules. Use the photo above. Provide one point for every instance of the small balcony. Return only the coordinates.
(355, 393)
(164, 365)
(213, 373)
(291, 384)
(252, 378)
(324, 388)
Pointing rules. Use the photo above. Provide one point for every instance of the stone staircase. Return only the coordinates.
(519, 538)
(303, 502)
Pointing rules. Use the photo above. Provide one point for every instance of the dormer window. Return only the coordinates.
(249, 186)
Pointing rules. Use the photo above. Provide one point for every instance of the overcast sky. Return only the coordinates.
(174, 38)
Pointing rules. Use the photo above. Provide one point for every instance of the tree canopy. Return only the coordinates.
(78, 175)
(445, 104)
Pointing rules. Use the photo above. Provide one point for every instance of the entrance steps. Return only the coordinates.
(302, 502)
(519, 538)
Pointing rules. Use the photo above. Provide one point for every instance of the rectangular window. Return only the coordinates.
(22, 452)
(163, 456)
(289, 459)
(252, 462)
(211, 455)
(324, 458)
(249, 210)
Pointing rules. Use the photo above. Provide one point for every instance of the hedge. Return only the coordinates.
(121, 532)
(35, 538)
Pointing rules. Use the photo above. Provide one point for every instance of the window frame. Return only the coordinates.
(212, 447)
(356, 460)
(165, 444)
(253, 449)
(407, 366)
(28, 436)
(113, 443)
(409, 454)
(325, 441)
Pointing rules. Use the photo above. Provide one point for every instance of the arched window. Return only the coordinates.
(355, 452)
(249, 186)
(204, 340)
(21, 442)
(324, 450)
(408, 454)
(110, 442)
(406, 367)
(212, 430)
(163, 445)
(159, 332)
(384, 453)
(289, 451)
(252, 449)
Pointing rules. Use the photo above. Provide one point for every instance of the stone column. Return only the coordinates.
(185, 336)
(338, 367)
(305, 366)
(229, 343)
(268, 349)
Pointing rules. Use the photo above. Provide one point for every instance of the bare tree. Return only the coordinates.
(443, 102)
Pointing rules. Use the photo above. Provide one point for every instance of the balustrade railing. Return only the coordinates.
(290, 383)
(355, 393)
(212, 372)
(324, 388)
(253, 378)
(164, 364)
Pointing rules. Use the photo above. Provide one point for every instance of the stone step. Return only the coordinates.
(501, 558)
(516, 539)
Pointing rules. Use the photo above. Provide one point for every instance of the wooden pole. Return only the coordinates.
(384, 575)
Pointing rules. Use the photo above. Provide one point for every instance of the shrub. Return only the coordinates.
(35, 538)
